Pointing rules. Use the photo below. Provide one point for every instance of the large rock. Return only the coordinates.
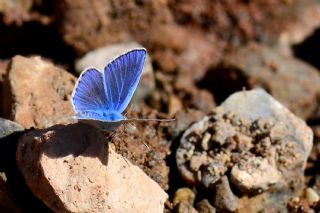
(9, 132)
(291, 81)
(253, 142)
(71, 169)
(37, 93)
(100, 57)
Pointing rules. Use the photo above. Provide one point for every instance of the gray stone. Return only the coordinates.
(8, 127)
(252, 141)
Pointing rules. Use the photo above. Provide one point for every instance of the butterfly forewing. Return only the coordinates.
(89, 94)
(121, 78)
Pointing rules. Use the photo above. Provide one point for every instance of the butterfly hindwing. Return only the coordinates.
(89, 94)
(121, 77)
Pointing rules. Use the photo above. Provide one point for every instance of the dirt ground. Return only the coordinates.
(196, 51)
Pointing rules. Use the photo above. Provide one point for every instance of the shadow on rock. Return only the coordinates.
(62, 140)
(16, 196)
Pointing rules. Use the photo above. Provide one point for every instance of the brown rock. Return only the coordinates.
(204, 206)
(293, 82)
(71, 169)
(37, 94)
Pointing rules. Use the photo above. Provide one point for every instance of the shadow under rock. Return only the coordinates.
(16, 188)
(73, 139)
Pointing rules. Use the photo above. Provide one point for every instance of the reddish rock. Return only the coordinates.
(37, 93)
(72, 169)
(291, 81)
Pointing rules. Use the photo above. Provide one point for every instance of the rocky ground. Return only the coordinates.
(241, 78)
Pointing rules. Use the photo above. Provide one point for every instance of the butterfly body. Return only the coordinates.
(99, 98)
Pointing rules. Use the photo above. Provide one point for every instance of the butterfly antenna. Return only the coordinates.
(146, 145)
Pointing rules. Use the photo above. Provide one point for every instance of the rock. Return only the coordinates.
(37, 93)
(7, 134)
(255, 143)
(71, 169)
(98, 58)
(307, 15)
(255, 175)
(174, 105)
(8, 127)
(6, 201)
(225, 199)
(291, 81)
(312, 196)
(183, 194)
(183, 207)
(16, 11)
(205, 207)
(15, 196)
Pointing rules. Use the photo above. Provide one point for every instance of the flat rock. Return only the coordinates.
(71, 169)
(37, 93)
(253, 142)
(99, 58)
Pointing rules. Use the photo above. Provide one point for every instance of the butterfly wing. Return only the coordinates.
(121, 77)
(88, 94)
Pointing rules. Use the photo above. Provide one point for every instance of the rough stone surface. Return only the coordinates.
(8, 127)
(291, 81)
(183, 194)
(37, 94)
(255, 143)
(71, 169)
(225, 199)
(204, 206)
(98, 58)
(254, 175)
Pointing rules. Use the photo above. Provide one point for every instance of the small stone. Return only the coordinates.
(37, 93)
(72, 169)
(174, 105)
(185, 206)
(8, 127)
(197, 160)
(255, 175)
(311, 195)
(99, 58)
(183, 194)
(213, 172)
(204, 206)
(225, 199)
(205, 141)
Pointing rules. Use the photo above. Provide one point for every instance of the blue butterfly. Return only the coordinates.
(99, 98)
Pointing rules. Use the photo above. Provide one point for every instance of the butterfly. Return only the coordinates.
(99, 98)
